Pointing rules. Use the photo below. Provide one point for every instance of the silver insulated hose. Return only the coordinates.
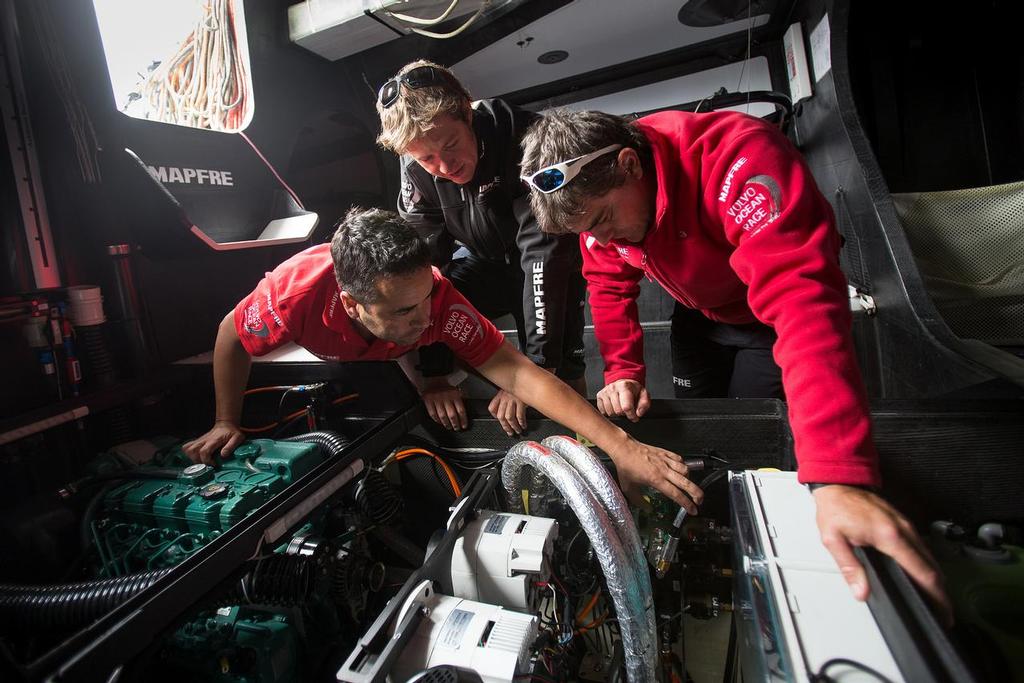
(616, 563)
(608, 492)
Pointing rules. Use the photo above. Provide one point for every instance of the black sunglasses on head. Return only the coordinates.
(420, 77)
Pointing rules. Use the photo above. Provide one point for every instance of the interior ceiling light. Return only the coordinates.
(553, 57)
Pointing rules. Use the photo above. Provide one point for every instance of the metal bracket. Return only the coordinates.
(861, 302)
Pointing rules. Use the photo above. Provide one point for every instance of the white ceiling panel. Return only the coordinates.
(596, 34)
(690, 88)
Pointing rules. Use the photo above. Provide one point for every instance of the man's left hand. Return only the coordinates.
(444, 404)
(509, 411)
(849, 516)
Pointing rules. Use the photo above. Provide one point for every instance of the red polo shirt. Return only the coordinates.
(299, 301)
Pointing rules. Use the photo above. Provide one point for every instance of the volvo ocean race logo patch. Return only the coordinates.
(253, 323)
(759, 204)
(462, 324)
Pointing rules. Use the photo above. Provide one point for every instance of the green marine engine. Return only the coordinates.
(171, 511)
(289, 609)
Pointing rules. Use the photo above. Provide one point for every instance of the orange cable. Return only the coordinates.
(589, 606)
(594, 624)
(410, 452)
(262, 390)
(286, 418)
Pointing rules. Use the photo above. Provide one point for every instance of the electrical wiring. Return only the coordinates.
(263, 390)
(452, 479)
(280, 403)
(462, 456)
(203, 85)
(597, 622)
(587, 609)
(452, 34)
(287, 425)
(287, 419)
(423, 22)
(558, 582)
(413, 452)
(479, 467)
(823, 677)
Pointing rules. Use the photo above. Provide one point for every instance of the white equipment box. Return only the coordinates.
(500, 557)
(491, 641)
(795, 611)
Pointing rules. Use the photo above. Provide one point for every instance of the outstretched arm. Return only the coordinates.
(638, 464)
(231, 364)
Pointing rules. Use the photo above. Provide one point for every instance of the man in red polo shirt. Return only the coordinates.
(372, 295)
(720, 210)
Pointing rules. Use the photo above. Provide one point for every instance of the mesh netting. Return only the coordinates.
(969, 246)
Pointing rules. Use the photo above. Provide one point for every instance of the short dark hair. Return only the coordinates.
(560, 135)
(370, 244)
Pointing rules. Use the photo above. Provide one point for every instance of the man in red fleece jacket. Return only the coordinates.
(721, 211)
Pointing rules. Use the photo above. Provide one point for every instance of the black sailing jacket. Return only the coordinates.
(491, 216)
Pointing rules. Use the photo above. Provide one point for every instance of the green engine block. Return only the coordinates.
(154, 523)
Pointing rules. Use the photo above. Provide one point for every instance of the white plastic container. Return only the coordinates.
(85, 305)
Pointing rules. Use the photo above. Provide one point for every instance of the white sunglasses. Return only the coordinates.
(557, 176)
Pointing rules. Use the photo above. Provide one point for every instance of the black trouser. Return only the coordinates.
(717, 360)
(495, 289)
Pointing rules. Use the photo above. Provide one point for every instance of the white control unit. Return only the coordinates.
(486, 639)
(500, 557)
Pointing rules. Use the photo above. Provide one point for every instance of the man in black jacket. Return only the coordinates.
(461, 190)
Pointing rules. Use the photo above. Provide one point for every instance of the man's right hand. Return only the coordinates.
(444, 405)
(639, 465)
(223, 437)
(625, 397)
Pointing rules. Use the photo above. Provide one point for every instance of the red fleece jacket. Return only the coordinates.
(741, 232)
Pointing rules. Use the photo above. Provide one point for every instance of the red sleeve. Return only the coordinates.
(613, 286)
(787, 254)
(463, 329)
(261, 321)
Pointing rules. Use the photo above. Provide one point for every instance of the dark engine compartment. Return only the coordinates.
(280, 564)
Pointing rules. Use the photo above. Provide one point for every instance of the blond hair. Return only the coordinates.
(416, 109)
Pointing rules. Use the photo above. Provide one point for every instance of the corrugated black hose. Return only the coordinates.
(331, 442)
(69, 604)
(275, 580)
